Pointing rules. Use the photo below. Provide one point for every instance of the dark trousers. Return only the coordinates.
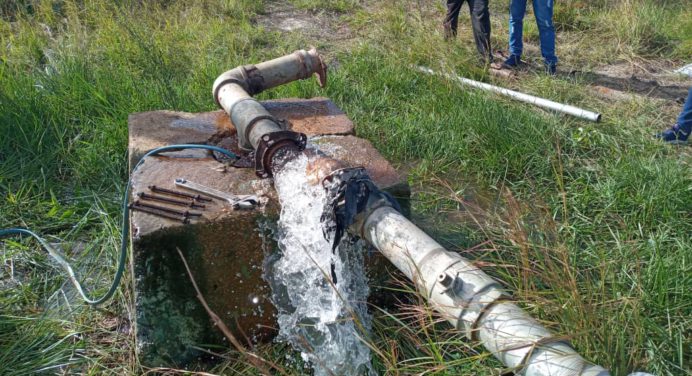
(480, 20)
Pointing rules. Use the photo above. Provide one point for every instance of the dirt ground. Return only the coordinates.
(320, 26)
(621, 80)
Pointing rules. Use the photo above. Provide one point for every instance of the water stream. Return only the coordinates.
(320, 295)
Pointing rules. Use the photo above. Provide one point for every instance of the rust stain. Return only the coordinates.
(223, 122)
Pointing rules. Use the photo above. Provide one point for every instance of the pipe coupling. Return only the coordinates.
(351, 198)
(269, 147)
(457, 289)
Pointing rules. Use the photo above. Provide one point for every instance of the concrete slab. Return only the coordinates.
(225, 248)
(150, 130)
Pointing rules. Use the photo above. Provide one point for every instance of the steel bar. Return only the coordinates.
(159, 213)
(189, 204)
(537, 101)
(168, 210)
(171, 192)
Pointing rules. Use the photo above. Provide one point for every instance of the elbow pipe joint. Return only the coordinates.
(257, 129)
(245, 76)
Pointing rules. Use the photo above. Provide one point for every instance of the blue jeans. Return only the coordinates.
(685, 118)
(543, 10)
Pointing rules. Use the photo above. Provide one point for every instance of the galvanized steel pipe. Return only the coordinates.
(537, 101)
(471, 300)
(233, 91)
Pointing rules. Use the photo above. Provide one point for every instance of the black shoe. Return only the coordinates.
(512, 62)
(673, 135)
(551, 69)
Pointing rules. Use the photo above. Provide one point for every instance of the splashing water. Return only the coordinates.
(320, 295)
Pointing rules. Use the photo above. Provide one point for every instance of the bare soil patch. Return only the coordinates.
(321, 26)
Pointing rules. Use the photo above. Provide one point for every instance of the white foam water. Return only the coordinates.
(322, 318)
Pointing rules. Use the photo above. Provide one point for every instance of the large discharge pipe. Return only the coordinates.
(467, 297)
(471, 300)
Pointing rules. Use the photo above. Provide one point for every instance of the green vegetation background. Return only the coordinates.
(589, 224)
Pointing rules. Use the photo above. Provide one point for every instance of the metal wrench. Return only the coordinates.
(237, 201)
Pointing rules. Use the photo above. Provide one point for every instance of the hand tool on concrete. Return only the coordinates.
(236, 201)
(171, 192)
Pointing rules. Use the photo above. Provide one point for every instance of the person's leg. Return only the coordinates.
(452, 19)
(543, 9)
(685, 118)
(680, 132)
(517, 10)
(480, 19)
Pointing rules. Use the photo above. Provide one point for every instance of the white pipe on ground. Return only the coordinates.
(537, 101)
(471, 300)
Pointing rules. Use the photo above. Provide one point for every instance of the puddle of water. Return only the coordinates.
(320, 295)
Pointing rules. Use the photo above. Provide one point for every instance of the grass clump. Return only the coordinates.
(328, 5)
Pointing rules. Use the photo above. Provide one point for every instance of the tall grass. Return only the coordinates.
(587, 224)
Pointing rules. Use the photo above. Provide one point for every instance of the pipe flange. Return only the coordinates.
(270, 143)
(321, 72)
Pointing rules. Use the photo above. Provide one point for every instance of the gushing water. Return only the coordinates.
(320, 295)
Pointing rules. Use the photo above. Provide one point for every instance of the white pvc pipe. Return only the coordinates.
(537, 101)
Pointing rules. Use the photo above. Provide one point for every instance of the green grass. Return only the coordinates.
(588, 224)
(326, 5)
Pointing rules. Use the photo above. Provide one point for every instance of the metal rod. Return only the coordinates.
(537, 101)
(189, 204)
(159, 213)
(168, 210)
(171, 192)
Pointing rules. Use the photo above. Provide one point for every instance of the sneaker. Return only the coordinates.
(551, 69)
(673, 135)
(512, 62)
